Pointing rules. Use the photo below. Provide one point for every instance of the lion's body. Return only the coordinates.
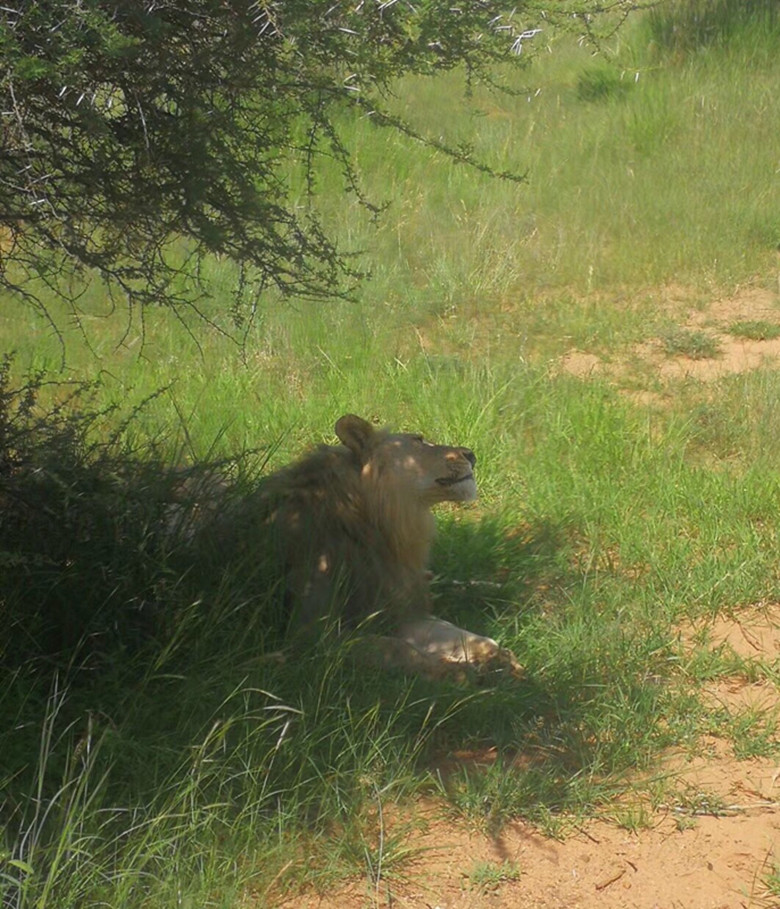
(350, 529)
(353, 522)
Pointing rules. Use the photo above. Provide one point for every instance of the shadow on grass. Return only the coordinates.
(131, 688)
(492, 569)
(594, 705)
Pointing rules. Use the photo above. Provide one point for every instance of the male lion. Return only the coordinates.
(354, 528)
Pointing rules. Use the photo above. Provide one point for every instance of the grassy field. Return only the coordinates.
(189, 766)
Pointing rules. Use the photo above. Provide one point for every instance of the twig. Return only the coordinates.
(612, 880)
(726, 809)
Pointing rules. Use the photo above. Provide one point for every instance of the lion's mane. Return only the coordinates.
(353, 523)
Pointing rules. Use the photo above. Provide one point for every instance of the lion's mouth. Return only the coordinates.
(451, 481)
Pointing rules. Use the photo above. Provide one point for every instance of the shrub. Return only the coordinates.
(83, 561)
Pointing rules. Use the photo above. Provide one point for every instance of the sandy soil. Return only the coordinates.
(712, 847)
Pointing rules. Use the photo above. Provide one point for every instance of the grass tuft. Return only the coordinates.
(757, 330)
(685, 342)
(601, 82)
(489, 876)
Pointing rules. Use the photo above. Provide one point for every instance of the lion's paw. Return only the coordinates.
(449, 645)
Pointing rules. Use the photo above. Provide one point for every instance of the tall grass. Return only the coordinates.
(169, 749)
(196, 761)
(684, 25)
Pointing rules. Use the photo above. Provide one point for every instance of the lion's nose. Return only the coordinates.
(469, 455)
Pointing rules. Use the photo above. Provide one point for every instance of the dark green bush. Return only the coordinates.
(600, 82)
(88, 560)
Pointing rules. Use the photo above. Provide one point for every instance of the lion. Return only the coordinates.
(353, 530)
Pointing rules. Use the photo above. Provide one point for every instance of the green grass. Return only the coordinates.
(168, 754)
(755, 330)
(491, 875)
(696, 345)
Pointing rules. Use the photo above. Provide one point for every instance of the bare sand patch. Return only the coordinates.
(711, 844)
(751, 633)
(735, 354)
(715, 863)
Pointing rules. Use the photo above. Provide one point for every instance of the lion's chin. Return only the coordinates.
(463, 489)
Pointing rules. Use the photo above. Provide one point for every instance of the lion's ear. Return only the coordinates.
(354, 432)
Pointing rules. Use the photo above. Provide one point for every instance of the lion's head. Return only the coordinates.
(417, 469)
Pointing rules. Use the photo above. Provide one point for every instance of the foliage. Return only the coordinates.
(130, 125)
